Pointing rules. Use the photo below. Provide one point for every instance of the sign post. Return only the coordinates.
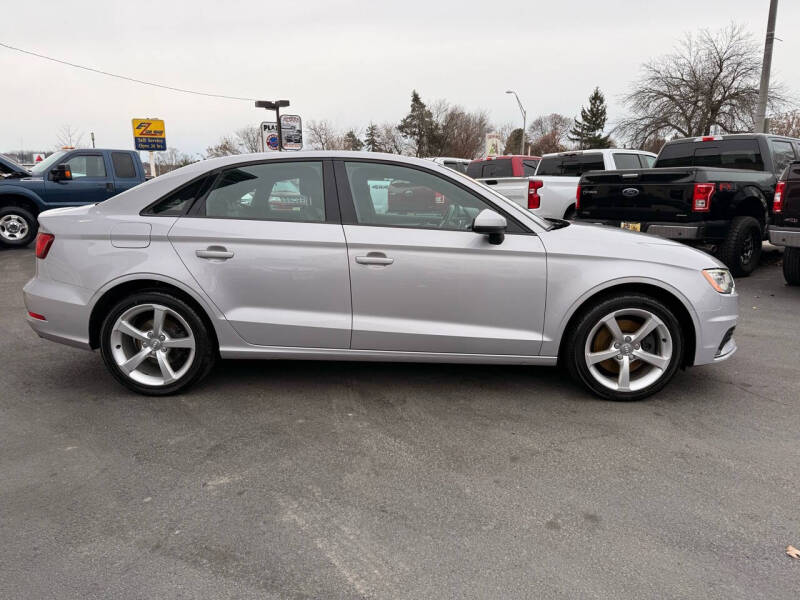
(150, 135)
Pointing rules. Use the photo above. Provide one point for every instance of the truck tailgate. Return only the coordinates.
(637, 195)
(513, 188)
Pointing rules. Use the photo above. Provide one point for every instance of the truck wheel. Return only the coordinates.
(18, 227)
(625, 348)
(741, 249)
(791, 266)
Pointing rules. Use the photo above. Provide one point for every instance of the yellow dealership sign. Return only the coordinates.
(149, 134)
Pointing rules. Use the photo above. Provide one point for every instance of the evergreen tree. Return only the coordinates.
(372, 139)
(351, 141)
(418, 126)
(588, 131)
(513, 140)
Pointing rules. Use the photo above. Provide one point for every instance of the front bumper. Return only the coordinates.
(715, 340)
(784, 236)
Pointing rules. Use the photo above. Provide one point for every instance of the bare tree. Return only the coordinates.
(248, 138)
(69, 136)
(548, 133)
(391, 140)
(711, 78)
(225, 147)
(457, 132)
(322, 135)
(172, 159)
(787, 124)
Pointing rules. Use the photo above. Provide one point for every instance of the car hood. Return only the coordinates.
(609, 242)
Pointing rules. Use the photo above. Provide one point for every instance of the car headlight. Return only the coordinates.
(720, 279)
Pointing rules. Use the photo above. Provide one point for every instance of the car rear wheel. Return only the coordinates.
(18, 227)
(741, 249)
(791, 266)
(156, 344)
(625, 348)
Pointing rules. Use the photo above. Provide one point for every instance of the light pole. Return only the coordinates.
(524, 121)
(275, 105)
(763, 93)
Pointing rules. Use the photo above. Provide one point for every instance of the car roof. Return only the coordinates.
(507, 156)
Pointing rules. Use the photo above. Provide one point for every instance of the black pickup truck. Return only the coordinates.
(710, 190)
(785, 230)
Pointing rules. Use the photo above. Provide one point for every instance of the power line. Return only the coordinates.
(134, 80)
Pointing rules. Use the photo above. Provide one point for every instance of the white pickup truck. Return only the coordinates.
(550, 192)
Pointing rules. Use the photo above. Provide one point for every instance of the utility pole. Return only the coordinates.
(524, 121)
(92, 134)
(766, 66)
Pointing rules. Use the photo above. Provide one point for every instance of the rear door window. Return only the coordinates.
(626, 160)
(123, 165)
(647, 161)
(274, 191)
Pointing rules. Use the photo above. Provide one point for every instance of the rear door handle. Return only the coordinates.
(109, 187)
(490, 181)
(214, 252)
(374, 258)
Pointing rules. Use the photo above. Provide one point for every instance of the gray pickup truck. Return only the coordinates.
(71, 177)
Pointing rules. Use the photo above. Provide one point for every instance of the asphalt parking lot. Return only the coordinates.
(346, 480)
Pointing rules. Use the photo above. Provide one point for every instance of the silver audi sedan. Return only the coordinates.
(365, 256)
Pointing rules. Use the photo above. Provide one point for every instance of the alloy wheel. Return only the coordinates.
(628, 350)
(152, 344)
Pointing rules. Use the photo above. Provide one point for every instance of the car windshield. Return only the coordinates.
(45, 165)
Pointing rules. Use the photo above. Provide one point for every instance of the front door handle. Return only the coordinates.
(214, 252)
(374, 258)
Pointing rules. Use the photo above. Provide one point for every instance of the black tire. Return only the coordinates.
(741, 249)
(574, 354)
(205, 352)
(16, 216)
(791, 266)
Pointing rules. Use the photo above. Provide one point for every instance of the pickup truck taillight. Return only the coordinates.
(534, 200)
(777, 201)
(43, 243)
(578, 198)
(701, 200)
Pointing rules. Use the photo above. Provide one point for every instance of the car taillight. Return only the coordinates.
(43, 243)
(534, 200)
(777, 201)
(701, 200)
(578, 198)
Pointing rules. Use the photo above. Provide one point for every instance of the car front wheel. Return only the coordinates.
(625, 348)
(156, 344)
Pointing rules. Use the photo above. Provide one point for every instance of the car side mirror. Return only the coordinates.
(61, 173)
(492, 224)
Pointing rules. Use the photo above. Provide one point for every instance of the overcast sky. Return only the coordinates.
(346, 61)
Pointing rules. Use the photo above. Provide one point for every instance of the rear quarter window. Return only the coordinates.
(626, 160)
